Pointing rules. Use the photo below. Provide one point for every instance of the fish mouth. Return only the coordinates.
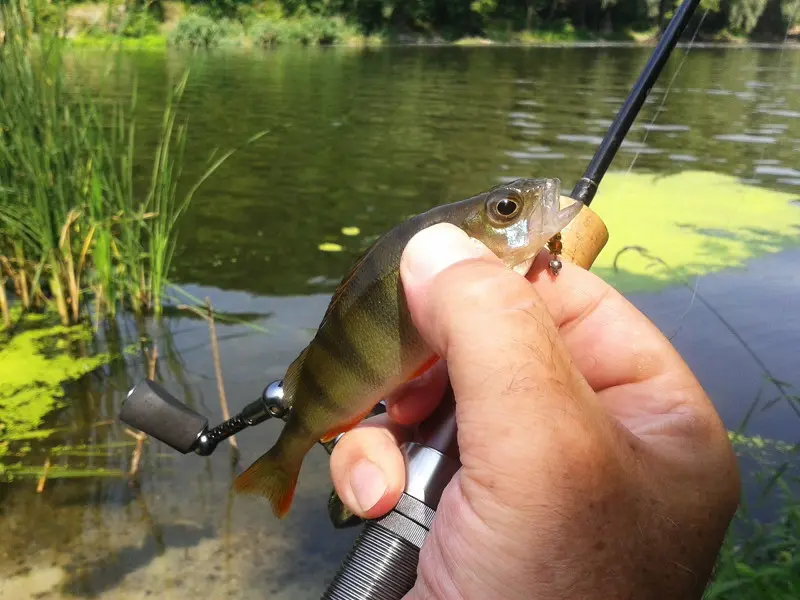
(550, 197)
(552, 189)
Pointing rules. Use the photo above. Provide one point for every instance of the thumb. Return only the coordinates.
(515, 383)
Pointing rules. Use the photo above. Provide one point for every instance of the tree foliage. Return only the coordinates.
(482, 17)
(494, 18)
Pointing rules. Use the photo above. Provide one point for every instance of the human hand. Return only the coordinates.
(593, 463)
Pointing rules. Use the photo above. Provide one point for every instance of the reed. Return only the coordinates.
(4, 312)
(51, 150)
(73, 230)
(163, 206)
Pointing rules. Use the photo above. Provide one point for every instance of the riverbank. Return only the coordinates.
(179, 24)
(530, 39)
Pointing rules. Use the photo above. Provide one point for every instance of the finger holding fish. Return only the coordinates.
(409, 404)
(367, 467)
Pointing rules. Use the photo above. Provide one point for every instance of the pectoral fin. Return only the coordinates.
(426, 366)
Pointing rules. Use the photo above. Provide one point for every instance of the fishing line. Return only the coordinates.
(669, 87)
(682, 318)
(727, 324)
(672, 80)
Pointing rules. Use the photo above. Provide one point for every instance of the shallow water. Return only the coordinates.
(365, 138)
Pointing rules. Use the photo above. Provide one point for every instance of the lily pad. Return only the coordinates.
(330, 247)
(351, 231)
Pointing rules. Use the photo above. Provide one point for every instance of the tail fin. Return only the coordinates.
(274, 475)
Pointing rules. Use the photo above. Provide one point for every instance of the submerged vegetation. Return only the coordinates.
(83, 237)
(735, 222)
(38, 359)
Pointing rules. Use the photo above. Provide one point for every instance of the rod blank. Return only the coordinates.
(586, 188)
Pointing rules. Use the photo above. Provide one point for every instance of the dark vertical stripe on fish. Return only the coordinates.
(333, 339)
(309, 387)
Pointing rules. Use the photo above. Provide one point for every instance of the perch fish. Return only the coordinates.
(366, 344)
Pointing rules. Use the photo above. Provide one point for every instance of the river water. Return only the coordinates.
(364, 138)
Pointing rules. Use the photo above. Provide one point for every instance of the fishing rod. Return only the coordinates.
(382, 562)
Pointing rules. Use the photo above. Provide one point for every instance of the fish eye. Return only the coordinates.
(506, 207)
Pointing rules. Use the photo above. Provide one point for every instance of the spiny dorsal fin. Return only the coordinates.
(342, 287)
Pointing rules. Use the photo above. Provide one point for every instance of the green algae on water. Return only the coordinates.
(35, 363)
(698, 222)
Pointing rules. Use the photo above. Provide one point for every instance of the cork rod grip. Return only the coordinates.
(584, 238)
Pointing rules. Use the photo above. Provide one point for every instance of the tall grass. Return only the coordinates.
(43, 146)
(762, 560)
(72, 227)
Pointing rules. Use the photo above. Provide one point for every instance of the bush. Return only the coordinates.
(266, 32)
(308, 31)
(196, 31)
(231, 33)
(325, 30)
(334, 31)
(250, 14)
(47, 18)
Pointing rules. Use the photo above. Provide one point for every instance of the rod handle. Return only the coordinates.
(150, 408)
(585, 236)
(382, 562)
(380, 565)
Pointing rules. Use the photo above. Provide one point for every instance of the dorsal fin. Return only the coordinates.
(340, 289)
(400, 234)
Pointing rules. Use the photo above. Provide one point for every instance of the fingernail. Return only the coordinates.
(368, 484)
(434, 249)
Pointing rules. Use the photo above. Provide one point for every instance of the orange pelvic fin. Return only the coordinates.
(344, 427)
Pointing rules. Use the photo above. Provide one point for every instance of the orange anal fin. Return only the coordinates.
(426, 366)
(344, 427)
